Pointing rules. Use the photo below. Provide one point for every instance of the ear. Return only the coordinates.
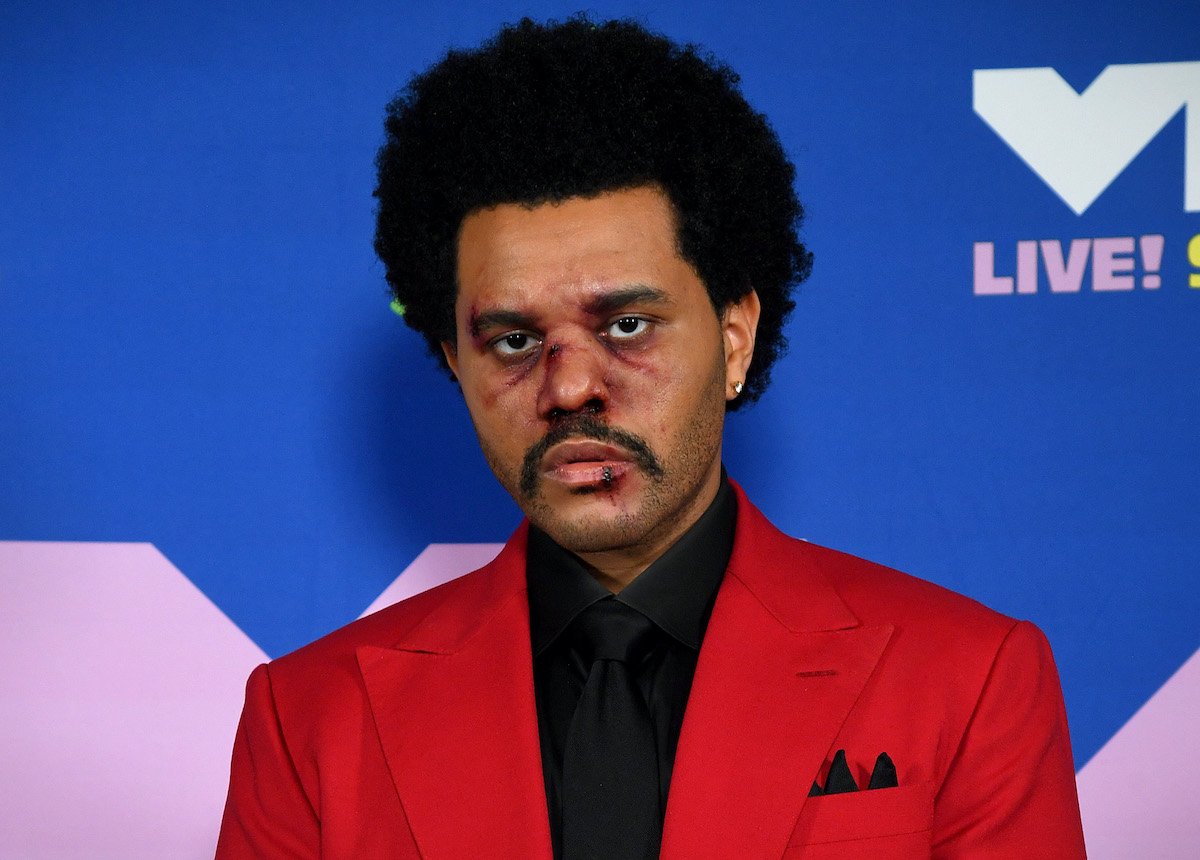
(450, 351)
(739, 323)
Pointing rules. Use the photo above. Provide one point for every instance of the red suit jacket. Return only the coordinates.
(413, 733)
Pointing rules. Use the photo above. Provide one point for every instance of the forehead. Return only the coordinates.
(616, 238)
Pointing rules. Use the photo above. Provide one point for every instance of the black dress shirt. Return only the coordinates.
(676, 592)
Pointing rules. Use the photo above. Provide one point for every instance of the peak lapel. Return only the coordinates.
(782, 663)
(454, 708)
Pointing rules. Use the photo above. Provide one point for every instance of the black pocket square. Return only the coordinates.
(839, 780)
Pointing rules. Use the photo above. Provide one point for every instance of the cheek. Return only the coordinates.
(505, 409)
(639, 377)
(659, 392)
(693, 401)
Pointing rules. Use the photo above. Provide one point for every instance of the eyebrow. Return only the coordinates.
(489, 320)
(615, 300)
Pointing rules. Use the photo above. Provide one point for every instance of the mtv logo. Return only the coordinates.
(1078, 143)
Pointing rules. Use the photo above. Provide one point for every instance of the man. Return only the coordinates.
(597, 236)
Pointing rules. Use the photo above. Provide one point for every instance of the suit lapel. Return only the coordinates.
(454, 708)
(782, 664)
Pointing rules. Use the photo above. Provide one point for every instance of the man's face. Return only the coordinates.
(595, 368)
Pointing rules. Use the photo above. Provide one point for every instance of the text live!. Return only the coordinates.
(1109, 264)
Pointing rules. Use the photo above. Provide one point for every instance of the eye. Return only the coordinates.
(514, 344)
(627, 328)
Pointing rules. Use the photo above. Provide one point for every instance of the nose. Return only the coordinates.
(574, 381)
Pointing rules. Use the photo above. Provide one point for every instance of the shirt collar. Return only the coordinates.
(676, 591)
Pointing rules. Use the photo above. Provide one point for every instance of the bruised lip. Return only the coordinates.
(581, 462)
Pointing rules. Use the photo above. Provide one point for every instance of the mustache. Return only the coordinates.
(586, 427)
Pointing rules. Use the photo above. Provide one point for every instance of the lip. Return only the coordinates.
(583, 462)
(583, 451)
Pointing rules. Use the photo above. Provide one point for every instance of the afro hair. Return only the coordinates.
(544, 112)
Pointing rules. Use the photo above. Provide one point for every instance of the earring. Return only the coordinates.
(737, 388)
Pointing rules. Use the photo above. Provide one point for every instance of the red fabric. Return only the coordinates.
(413, 733)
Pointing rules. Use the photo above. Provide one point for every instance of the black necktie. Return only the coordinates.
(610, 764)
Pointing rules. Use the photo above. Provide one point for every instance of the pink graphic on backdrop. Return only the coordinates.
(1136, 794)
(120, 689)
(438, 563)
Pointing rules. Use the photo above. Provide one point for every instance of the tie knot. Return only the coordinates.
(611, 630)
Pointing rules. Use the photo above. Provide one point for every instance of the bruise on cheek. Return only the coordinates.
(640, 366)
(504, 383)
(637, 377)
(487, 399)
(642, 356)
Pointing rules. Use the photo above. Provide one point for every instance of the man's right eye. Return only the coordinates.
(514, 344)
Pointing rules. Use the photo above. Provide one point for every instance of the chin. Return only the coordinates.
(599, 529)
(582, 538)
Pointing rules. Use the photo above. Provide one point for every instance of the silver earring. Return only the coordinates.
(737, 388)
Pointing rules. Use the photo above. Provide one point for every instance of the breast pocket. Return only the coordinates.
(880, 823)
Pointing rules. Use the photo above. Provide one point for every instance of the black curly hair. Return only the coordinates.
(544, 112)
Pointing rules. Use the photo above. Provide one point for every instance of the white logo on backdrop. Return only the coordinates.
(1078, 143)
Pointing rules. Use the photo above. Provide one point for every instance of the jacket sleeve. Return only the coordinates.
(1010, 788)
(267, 813)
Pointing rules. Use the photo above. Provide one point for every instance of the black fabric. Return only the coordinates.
(840, 781)
(884, 773)
(676, 592)
(610, 746)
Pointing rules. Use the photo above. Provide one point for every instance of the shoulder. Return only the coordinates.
(931, 622)
(879, 594)
(390, 624)
(820, 588)
(945, 644)
(328, 669)
(811, 587)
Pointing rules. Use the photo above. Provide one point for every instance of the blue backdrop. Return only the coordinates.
(196, 348)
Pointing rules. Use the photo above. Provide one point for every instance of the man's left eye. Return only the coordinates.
(628, 327)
